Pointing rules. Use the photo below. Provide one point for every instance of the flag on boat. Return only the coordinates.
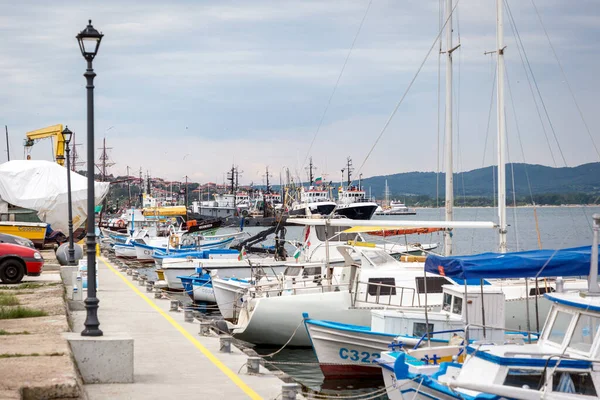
(319, 180)
(297, 253)
(242, 254)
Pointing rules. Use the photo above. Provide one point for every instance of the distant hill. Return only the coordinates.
(481, 182)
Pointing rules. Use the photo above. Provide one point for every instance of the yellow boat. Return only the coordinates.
(34, 231)
(169, 211)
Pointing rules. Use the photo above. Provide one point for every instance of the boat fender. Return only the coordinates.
(174, 241)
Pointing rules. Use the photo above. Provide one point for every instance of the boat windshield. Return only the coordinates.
(378, 257)
(559, 327)
(585, 331)
(562, 381)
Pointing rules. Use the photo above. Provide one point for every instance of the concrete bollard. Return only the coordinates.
(174, 305)
(129, 271)
(253, 365)
(188, 314)
(142, 280)
(204, 328)
(149, 286)
(289, 391)
(225, 343)
(135, 275)
(157, 293)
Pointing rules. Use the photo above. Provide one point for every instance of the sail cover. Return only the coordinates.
(42, 186)
(525, 264)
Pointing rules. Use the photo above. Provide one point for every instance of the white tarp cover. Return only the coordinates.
(42, 186)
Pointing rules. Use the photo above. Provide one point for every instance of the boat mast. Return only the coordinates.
(310, 172)
(501, 128)
(449, 167)
(128, 189)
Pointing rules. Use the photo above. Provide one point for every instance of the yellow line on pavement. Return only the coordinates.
(230, 374)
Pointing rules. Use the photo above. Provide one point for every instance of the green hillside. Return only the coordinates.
(583, 179)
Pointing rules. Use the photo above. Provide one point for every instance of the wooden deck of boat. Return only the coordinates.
(171, 359)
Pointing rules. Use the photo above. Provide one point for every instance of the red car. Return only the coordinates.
(17, 261)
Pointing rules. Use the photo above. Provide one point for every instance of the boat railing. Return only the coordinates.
(390, 293)
(303, 289)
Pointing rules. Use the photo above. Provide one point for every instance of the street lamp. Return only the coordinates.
(66, 133)
(89, 41)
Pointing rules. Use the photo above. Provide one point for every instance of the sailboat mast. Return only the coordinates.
(501, 128)
(449, 161)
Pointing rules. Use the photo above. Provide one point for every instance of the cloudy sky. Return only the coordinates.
(190, 87)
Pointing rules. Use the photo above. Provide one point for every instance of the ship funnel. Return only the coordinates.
(593, 288)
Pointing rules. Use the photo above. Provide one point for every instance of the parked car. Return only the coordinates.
(6, 238)
(17, 261)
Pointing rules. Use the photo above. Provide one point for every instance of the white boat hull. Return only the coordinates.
(273, 320)
(228, 295)
(124, 251)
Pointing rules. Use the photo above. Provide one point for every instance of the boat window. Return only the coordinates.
(334, 232)
(434, 284)
(584, 333)
(457, 306)
(523, 378)
(292, 271)
(447, 302)
(559, 327)
(573, 382)
(419, 328)
(540, 291)
(388, 290)
(311, 271)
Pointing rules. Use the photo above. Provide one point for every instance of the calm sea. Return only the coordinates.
(559, 227)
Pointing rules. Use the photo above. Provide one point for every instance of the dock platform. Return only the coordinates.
(171, 358)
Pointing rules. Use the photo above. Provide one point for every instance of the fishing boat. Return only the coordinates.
(199, 287)
(314, 200)
(562, 364)
(352, 202)
(349, 351)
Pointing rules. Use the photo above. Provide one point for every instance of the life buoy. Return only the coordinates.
(120, 223)
(244, 213)
(174, 241)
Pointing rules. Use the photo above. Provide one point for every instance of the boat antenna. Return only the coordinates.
(593, 288)
(310, 172)
(7, 145)
(349, 170)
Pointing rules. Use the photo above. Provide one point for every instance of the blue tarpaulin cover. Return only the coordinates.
(524, 264)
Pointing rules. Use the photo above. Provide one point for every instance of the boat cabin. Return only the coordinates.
(563, 362)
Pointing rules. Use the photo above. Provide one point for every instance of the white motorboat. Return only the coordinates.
(272, 316)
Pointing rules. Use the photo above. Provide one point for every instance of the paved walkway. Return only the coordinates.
(171, 360)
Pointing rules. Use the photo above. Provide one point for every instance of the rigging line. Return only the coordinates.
(566, 80)
(537, 88)
(487, 134)
(512, 170)
(518, 36)
(439, 100)
(337, 82)
(512, 102)
(389, 120)
(459, 148)
(533, 96)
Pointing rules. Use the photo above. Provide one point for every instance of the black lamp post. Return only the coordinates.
(66, 133)
(89, 41)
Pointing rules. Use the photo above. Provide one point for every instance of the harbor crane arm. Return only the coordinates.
(54, 131)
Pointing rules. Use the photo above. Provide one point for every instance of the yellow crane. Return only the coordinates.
(54, 132)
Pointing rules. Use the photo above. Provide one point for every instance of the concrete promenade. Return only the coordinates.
(171, 359)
